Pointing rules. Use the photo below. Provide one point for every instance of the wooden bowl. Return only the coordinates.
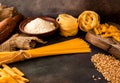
(41, 35)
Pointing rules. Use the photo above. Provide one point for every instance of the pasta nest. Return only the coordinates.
(88, 20)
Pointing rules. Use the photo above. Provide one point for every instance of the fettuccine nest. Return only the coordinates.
(88, 20)
(68, 25)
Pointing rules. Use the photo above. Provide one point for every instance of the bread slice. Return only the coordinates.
(107, 44)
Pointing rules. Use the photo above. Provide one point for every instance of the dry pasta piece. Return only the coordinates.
(17, 71)
(112, 29)
(108, 30)
(96, 31)
(117, 38)
(11, 75)
(104, 28)
(8, 70)
(107, 34)
(6, 78)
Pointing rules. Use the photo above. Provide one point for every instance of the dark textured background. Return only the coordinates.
(107, 9)
(72, 68)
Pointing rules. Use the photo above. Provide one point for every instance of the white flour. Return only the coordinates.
(39, 25)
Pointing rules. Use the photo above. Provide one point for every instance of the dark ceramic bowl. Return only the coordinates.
(41, 35)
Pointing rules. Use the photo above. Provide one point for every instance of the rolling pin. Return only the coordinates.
(8, 25)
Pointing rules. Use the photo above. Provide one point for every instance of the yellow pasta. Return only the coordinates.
(88, 20)
(108, 30)
(11, 75)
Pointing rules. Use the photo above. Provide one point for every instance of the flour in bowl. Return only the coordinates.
(39, 25)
